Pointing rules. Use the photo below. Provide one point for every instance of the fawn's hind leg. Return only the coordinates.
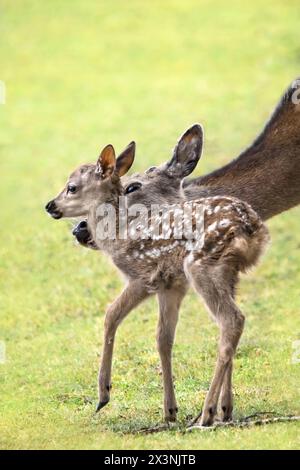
(226, 396)
(215, 283)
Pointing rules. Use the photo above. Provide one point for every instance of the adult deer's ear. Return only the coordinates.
(106, 162)
(125, 159)
(187, 152)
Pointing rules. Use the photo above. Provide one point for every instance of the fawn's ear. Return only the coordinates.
(187, 152)
(106, 162)
(125, 159)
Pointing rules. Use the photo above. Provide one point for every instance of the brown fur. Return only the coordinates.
(266, 174)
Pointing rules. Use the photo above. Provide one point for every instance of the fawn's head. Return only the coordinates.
(92, 183)
(161, 185)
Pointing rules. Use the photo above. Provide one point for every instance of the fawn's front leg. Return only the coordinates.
(134, 293)
(169, 304)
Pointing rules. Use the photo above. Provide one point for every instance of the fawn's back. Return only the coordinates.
(207, 230)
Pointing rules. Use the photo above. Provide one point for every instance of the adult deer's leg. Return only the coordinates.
(169, 304)
(214, 283)
(134, 293)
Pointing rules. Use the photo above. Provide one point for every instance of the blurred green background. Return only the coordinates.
(79, 75)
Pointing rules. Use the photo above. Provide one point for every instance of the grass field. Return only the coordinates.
(79, 75)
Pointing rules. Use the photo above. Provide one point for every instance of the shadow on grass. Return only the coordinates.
(139, 427)
(144, 424)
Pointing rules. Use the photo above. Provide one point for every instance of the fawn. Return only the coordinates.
(232, 239)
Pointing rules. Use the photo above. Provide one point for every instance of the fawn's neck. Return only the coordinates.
(104, 222)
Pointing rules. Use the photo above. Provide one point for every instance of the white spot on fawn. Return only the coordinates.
(212, 227)
(224, 223)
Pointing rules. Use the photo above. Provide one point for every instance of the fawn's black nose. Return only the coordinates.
(50, 207)
(81, 227)
(81, 233)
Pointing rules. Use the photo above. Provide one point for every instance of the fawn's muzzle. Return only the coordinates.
(81, 232)
(53, 210)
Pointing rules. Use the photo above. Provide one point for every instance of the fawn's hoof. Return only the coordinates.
(101, 404)
(208, 416)
(170, 415)
(226, 414)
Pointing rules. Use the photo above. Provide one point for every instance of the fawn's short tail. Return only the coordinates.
(247, 249)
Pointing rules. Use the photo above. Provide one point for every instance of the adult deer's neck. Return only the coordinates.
(266, 174)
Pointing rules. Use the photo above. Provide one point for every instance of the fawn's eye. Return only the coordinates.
(152, 168)
(132, 187)
(72, 188)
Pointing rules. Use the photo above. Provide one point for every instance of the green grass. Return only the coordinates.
(82, 74)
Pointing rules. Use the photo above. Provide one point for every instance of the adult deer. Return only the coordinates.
(267, 173)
